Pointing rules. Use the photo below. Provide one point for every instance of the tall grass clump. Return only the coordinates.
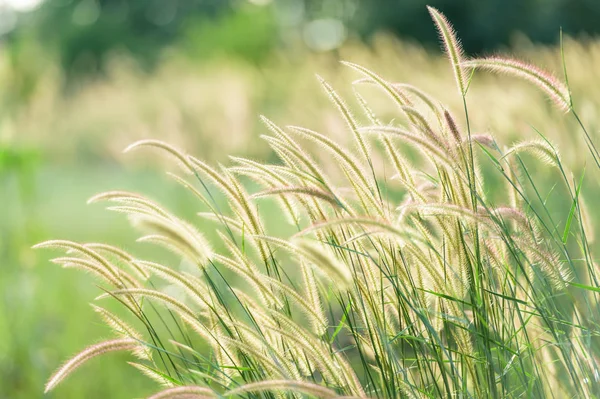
(404, 278)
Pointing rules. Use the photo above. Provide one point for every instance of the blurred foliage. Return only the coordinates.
(83, 33)
(212, 107)
(250, 33)
(12, 158)
(482, 25)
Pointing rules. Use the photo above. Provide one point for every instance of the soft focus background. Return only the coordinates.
(81, 79)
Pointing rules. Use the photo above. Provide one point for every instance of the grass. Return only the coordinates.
(46, 310)
(43, 324)
(404, 276)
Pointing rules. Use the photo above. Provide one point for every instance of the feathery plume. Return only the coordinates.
(451, 45)
(544, 151)
(285, 385)
(90, 352)
(187, 392)
(301, 191)
(153, 374)
(452, 126)
(178, 155)
(554, 88)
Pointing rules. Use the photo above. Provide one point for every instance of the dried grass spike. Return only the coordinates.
(285, 385)
(348, 117)
(153, 374)
(90, 352)
(486, 140)
(120, 254)
(452, 126)
(187, 392)
(122, 328)
(451, 45)
(396, 94)
(556, 90)
(338, 271)
(180, 156)
(182, 234)
(544, 151)
(310, 192)
(428, 100)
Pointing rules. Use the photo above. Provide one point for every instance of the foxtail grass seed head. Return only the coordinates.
(452, 126)
(324, 261)
(185, 392)
(554, 88)
(285, 385)
(486, 140)
(153, 374)
(123, 344)
(452, 46)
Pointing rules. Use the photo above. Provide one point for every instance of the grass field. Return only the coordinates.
(68, 149)
(45, 308)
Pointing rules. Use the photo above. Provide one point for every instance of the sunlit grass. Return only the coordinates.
(405, 275)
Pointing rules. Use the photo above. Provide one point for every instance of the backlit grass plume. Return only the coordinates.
(555, 89)
(451, 45)
(415, 283)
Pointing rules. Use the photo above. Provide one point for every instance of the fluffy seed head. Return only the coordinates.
(179, 156)
(452, 126)
(122, 344)
(554, 88)
(187, 392)
(285, 385)
(451, 45)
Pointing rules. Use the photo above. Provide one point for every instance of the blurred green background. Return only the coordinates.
(81, 79)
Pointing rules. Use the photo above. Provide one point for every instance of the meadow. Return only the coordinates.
(59, 149)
